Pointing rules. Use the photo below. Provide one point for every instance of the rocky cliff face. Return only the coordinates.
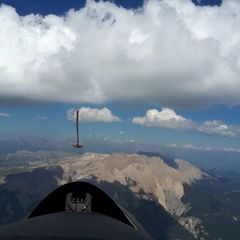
(148, 177)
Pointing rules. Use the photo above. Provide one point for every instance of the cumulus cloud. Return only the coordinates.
(93, 115)
(219, 128)
(166, 118)
(170, 52)
(4, 114)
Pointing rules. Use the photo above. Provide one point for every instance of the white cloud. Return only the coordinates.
(137, 37)
(166, 118)
(219, 128)
(4, 114)
(170, 52)
(93, 115)
(208, 149)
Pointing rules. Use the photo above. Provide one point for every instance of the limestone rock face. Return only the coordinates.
(151, 175)
(149, 186)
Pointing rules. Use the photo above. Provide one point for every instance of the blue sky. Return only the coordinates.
(44, 7)
(28, 121)
(35, 116)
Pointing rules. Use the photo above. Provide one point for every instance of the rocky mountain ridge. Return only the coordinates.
(148, 174)
(171, 198)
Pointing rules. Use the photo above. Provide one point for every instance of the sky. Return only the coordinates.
(155, 72)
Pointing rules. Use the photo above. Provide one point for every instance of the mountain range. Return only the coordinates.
(170, 197)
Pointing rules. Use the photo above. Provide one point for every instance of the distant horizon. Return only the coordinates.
(208, 159)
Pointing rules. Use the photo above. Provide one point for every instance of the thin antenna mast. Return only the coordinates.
(77, 116)
(77, 130)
